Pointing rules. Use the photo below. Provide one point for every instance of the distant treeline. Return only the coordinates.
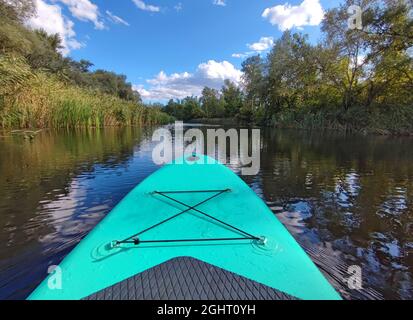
(39, 87)
(212, 104)
(353, 79)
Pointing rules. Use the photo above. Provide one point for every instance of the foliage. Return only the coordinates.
(42, 52)
(212, 104)
(186, 109)
(39, 87)
(351, 80)
(233, 98)
(38, 100)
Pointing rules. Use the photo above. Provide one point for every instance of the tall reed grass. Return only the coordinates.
(389, 120)
(31, 99)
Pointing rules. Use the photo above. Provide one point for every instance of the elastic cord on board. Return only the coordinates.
(134, 239)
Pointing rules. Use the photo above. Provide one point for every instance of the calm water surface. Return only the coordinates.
(346, 199)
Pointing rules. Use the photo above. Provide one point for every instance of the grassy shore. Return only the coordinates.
(36, 99)
(385, 121)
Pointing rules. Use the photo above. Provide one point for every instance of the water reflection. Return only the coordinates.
(346, 199)
(55, 189)
(344, 190)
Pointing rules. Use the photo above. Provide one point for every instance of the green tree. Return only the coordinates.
(373, 59)
(191, 108)
(233, 98)
(350, 45)
(255, 88)
(17, 10)
(14, 36)
(175, 109)
(212, 104)
(82, 66)
(253, 80)
(291, 73)
(388, 32)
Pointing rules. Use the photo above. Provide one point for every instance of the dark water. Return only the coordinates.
(346, 199)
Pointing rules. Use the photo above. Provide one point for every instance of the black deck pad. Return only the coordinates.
(187, 278)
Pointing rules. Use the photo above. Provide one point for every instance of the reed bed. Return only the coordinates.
(38, 99)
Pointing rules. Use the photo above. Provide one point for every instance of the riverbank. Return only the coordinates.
(42, 87)
(386, 121)
(35, 99)
(214, 121)
(398, 122)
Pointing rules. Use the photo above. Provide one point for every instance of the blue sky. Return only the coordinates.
(172, 48)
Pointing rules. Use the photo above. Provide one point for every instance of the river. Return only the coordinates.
(347, 199)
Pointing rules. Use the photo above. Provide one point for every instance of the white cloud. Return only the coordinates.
(308, 13)
(142, 91)
(221, 3)
(263, 44)
(220, 71)
(50, 18)
(239, 55)
(116, 19)
(84, 10)
(162, 78)
(181, 85)
(146, 7)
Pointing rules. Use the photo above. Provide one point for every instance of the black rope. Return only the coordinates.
(173, 217)
(209, 216)
(193, 191)
(138, 241)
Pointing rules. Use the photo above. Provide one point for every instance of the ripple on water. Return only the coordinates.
(346, 200)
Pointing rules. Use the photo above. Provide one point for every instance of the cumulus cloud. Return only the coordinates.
(219, 71)
(263, 44)
(84, 10)
(146, 7)
(50, 18)
(308, 13)
(221, 3)
(180, 85)
(116, 19)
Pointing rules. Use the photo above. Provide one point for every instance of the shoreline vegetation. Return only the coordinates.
(35, 99)
(40, 88)
(355, 80)
(352, 80)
